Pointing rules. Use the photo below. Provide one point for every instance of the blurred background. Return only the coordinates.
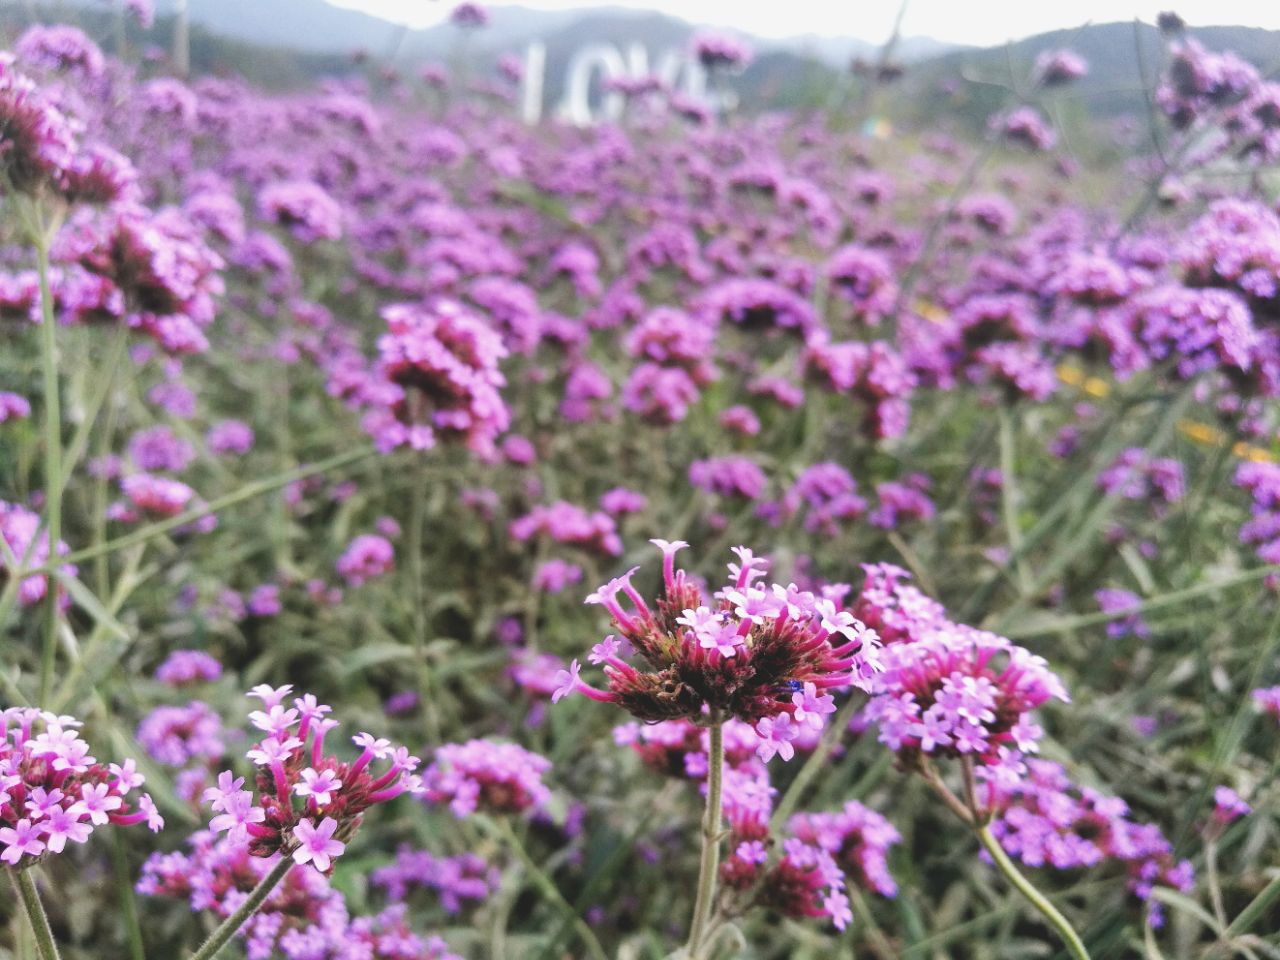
(935, 62)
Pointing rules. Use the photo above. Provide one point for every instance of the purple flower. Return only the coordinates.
(1228, 806)
(1024, 126)
(437, 378)
(1055, 68)
(367, 556)
(230, 437)
(497, 778)
(1122, 602)
(13, 407)
(303, 208)
(316, 844)
(718, 50)
(566, 682)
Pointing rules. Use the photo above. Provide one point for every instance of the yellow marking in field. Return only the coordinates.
(930, 311)
(1201, 433)
(1072, 376)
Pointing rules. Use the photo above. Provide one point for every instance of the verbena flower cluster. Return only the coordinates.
(308, 803)
(304, 918)
(1046, 820)
(437, 378)
(29, 545)
(456, 881)
(52, 792)
(951, 691)
(766, 655)
(488, 777)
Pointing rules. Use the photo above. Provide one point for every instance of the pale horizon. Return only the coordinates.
(977, 24)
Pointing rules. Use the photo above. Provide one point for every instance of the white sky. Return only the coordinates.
(978, 22)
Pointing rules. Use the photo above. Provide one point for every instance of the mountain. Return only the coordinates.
(306, 25)
(1124, 60)
(318, 27)
(839, 52)
(289, 43)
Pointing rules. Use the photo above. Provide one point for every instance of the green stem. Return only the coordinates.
(1215, 885)
(915, 269)
(1082, 538)
(417, 515)
(418, 591)
(549, 889)
(101, 570)
(227, 929)
(29, 897)
(52, 462)
(97, 400)
(710, 862)
(1033, 896)
(601, 880)
(128, 906)
(1255, 910)
(1106, 442)
(1009, 495)
(247, 492)
(1046, 627)
(814, 765)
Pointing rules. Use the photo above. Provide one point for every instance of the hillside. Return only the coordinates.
(1123, 58)
(287, 43)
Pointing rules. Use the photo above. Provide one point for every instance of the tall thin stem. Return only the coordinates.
(418, 593)
(710, 863)
(52, 461)
(1033, 896)
(101, 568)
(417, 517)
(29, 897)
(1009, 495)
(128, 906)
(227, 929)
(815, 764)
(549, 889)
(1255, 910)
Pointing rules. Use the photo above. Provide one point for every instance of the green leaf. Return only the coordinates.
(86, 600)
(1188, 906)
(372, 656)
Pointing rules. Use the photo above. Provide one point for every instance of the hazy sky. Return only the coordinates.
(980, 22)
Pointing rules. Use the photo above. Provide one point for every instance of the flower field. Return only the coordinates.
(705, 535)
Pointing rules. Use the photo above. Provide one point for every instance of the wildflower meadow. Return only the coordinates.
(707, 533)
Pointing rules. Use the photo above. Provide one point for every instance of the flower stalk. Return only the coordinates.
(252, 903)
(710, 861)
(977, 817)
(1075, 946)
(52, 458)
(29, 897)
(502, 826)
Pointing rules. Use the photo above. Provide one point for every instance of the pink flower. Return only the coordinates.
(96, 802)
(274, 722)
(566, 682)
(810, 707)
(319, 785)
(63, 825)
(316, 844)
(23, 838)
(271, 696)
(273, 751)
(239, 813)
(147, 811)
(776, 734)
